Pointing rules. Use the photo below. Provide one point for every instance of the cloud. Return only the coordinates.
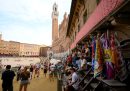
(29, 20)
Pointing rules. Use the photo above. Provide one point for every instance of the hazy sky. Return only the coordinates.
(29, 21)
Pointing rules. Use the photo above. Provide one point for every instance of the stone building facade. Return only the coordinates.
(9, 48)
(79, 13)
(91, 16)
(4, 48)
(44, 50)
(13, 48)
(29, 49)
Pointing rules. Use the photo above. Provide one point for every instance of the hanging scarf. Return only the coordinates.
(98, 67)
(114, 52)
(93, 52)
(110, 72)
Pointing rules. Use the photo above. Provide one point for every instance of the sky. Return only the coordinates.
(29, 21)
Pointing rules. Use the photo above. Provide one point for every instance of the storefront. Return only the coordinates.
(106, 35)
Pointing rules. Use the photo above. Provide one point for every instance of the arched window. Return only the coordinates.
(55, 9)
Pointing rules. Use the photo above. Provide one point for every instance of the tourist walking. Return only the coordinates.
(31, 71)
(59, 70)
(18, 73)
(37, 70)
(45, 68)
(7, 77)
(24, 79)
(51, 72)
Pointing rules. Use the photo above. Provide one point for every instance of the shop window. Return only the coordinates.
(85, 16)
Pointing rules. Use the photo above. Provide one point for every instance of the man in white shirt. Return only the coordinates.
(83, 63)
(75, 80)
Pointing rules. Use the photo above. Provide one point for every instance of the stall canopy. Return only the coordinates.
(104, 8)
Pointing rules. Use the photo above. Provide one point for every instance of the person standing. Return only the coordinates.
(73, 85)
(7, 77)
(51, 71)
(37, 70)
(18, 73)
(31, 71)
(24, 79)
(45, 68)
(69, 60)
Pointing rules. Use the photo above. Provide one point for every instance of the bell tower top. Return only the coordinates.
(55, 12)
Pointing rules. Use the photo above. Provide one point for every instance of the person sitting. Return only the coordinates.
(73, 84)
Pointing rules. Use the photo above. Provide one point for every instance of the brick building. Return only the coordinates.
(29, 49)
(4, 48)
(79, 13)
(13, 48)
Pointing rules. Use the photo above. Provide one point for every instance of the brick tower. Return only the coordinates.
(54, 23)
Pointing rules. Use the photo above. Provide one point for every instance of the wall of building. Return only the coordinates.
(43, 51)
(62, 43)
(29, 49)
(14, 48)
(4, 48)
(9, 48)
(81, 12)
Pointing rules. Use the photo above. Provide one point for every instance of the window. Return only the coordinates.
(85, 16)
(73, 38)
(55, 9)
(78, 27)
(75, 34)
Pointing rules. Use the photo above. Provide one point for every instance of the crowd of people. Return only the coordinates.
(70, 68)
(24, 74)
(102, 55)
(75, 66)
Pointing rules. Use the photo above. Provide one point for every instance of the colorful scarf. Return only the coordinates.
(98, 67)
(114, 53)
(93, 52)
(110, 72)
